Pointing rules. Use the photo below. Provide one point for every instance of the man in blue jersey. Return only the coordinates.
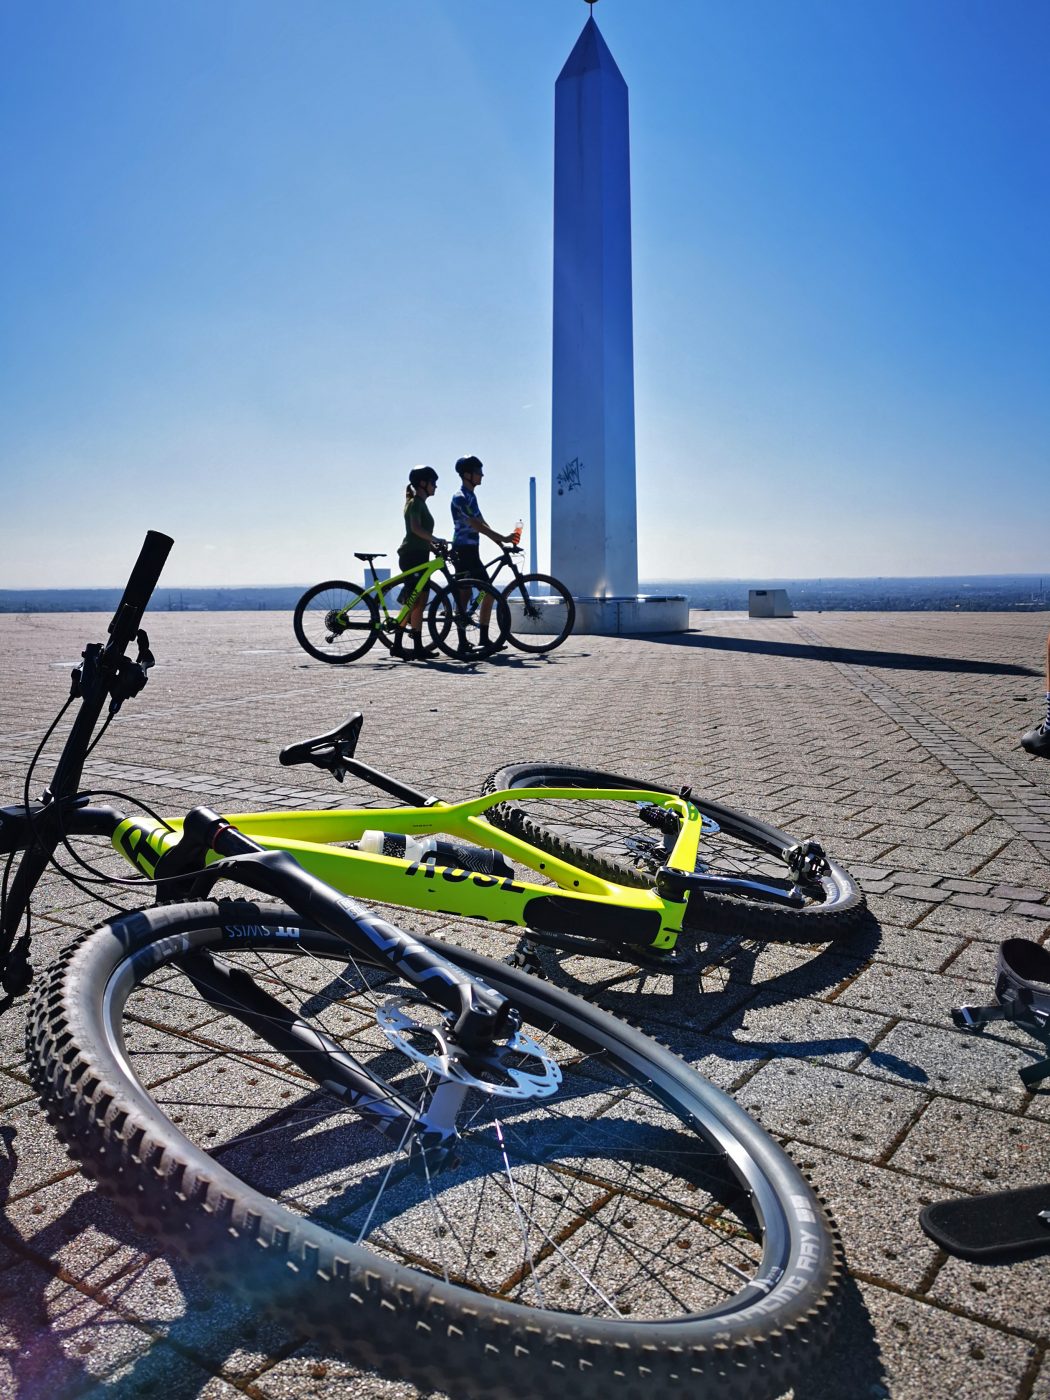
(468, 522)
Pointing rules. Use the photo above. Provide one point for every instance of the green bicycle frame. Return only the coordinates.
(578, 904)
(378, 588)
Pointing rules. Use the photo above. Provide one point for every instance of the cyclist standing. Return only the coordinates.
(468, 522)
(415, 549)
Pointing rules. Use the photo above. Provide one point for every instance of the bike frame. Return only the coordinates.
(579, 904)
(378, 587)
(504, 560)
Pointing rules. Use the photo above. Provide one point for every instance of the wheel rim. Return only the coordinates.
(615, 833)
(605, 1203)
(455, 617)
(335, 622)
(536, 601)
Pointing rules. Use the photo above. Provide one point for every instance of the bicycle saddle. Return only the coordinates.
(326, 750)
(367, 558)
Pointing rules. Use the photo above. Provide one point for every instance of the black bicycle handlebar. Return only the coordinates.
(105, 673)
(139, 588)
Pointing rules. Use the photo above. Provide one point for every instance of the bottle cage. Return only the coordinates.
(1022, 991)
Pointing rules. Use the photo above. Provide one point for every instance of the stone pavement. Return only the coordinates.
(893, 738)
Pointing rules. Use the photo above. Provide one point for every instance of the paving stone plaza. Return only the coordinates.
(890, 737)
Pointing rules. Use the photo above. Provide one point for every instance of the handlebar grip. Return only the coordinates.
(139, 587)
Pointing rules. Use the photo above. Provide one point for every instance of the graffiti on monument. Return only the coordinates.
(569, 476)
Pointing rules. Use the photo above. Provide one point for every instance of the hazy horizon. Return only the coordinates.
(748, 580)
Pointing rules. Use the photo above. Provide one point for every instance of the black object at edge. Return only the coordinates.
(998, 1228)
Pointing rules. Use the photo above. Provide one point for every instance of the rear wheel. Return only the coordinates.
(336, 621)
(458, 624)
(542, 612)
(612, 839)
(634, 1229)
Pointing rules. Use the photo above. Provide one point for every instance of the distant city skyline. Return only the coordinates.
(262, 259)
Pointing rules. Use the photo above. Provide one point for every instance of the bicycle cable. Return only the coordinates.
(100, 877)
(94, 743)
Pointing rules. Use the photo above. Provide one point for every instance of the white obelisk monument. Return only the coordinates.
(594, 535)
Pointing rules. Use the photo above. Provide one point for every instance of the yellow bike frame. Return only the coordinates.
(578, 904)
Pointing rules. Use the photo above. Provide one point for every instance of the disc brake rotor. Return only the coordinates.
(515, 1069)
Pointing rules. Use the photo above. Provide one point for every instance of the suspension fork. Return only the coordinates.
(481, 1015)
(236, 993)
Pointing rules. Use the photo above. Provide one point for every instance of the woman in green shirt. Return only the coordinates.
(415, 549)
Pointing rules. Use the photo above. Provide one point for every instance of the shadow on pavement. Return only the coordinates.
(58, 1350)
(852, 1364)
(731, 972)
(846, 656)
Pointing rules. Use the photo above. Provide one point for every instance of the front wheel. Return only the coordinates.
(633, 1228)
(542, 612)
(336, 622)
(611, 838)
(468, 620)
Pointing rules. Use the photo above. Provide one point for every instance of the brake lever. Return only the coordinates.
(131, 676)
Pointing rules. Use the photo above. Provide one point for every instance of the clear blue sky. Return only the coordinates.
(260, 257)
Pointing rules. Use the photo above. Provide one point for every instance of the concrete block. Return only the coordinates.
(768, 602)
(616, 617)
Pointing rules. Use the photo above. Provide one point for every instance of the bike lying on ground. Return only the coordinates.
(583, 861)
(338, 621)
(452, 1170)
(546, 608)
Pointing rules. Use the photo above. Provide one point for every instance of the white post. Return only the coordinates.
(533, 567)
(594, 535)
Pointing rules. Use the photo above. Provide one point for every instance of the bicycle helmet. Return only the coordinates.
(418, 475)
(468, 464)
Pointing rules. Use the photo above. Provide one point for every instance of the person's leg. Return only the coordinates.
(415, 618)
(1037, 740)
(413, 626)
(478, 571)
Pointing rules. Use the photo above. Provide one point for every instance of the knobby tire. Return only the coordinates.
(608, 840)
(638, 1234)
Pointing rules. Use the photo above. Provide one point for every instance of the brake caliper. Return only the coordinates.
(806, 861)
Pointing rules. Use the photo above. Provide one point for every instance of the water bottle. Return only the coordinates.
(515, 534)
(439, 850)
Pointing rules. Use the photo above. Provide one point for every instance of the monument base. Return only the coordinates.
(615, 617)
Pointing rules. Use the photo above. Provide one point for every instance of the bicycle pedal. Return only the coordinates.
(526, 959)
